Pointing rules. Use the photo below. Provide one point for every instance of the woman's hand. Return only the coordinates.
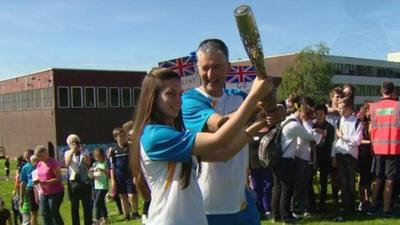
(261, 88)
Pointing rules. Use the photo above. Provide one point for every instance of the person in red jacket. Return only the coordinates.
(385, 138)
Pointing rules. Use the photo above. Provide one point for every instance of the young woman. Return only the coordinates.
(163, 149)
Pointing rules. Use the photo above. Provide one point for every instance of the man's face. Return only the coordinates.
(213, 67)
(343, 110)
(121, 138)
(320, 116)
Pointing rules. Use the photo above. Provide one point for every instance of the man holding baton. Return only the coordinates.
(205, 108)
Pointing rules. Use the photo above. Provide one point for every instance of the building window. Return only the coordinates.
(114, 97)
(63, 98)
(136, 94)
(102, 97)
(126, 97)
(90, 99)
(76, 93)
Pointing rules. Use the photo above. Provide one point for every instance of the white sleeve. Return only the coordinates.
(356, 137)
(297, 130)
(308, 126)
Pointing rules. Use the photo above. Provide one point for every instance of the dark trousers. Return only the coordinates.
(262, 182)
(80, 192)
(17, 217)
(50, 208)
(347, 168)
(100, 204)
(304, 175)
(282, 192)
(146, 206)
(118, 204)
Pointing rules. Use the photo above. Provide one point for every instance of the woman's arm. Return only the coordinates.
(206, 142)
(57, 173)
(225, 154)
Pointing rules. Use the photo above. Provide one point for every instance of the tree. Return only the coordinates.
(309, 75)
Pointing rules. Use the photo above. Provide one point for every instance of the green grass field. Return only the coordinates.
(6, 188)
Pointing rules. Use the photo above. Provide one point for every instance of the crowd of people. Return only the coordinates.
(92, 177)
(194, 157)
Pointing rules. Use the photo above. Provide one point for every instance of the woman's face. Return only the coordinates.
(169, 100)
(347, 92)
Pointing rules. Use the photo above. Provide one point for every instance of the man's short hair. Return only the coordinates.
(347, 102)
(210, 46)
(117, 131)
(387, 87)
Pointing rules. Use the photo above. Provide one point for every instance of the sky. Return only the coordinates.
(137, 34)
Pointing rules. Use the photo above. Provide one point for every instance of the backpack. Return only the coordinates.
(358, 121)
(270, 151)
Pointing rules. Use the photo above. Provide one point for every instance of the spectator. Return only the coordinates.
(260, 177)
(333, 107)
(324, 150)
(7, 167)
(15, 208)
(5, 215)
(20, 163)
(121, 176)
(385, 136)
(304, 160)
(128, 128)
(345, 151)
(50, 181)
(78, 161)
(365, 155)
(100, 170)
(29, 216)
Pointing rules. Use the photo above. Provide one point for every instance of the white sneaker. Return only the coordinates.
(144, 219)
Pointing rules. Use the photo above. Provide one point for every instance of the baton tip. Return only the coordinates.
(242, 10)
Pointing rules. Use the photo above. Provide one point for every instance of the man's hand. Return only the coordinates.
(339, 134)
(277, 115)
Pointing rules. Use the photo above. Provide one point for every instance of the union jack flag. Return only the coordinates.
(241, 74)
(184, 66)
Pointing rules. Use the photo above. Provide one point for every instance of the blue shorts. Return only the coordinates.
(248, 216)
(125, 185)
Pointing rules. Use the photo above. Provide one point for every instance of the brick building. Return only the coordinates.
(44, 107)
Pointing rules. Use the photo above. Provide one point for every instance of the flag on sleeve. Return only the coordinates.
(241, 74)
(184, 66)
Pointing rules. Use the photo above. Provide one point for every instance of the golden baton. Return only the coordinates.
(252, 43)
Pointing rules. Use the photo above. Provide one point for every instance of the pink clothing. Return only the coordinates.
(45, 171)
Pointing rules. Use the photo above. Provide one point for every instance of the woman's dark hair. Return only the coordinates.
(352, 88)
(145, 113)
(307, 106)
(322, 108)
